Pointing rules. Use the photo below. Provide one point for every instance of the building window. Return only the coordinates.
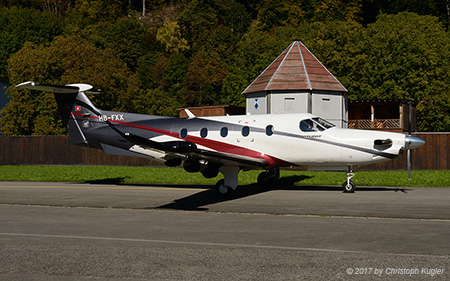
(224, 132)
(245, 131)
(269, 130)
(203, 132)
(183, 133)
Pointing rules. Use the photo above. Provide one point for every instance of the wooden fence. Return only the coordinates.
(57, 150)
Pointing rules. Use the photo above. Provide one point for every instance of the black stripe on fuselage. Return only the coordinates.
(196, 124)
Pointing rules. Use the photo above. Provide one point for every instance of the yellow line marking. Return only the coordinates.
(105, 187)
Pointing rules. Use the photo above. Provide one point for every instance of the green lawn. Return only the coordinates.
(120, 174)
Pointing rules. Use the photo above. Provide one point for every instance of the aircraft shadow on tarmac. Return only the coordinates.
(208, 197)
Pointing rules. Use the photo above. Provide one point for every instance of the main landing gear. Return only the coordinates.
(227, 185)
(269, 177)
(349, 186)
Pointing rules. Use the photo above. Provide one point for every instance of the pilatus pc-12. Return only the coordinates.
(225, 144)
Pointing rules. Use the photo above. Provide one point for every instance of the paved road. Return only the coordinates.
(64, 231)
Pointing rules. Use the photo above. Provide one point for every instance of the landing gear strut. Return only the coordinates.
(349, 186)
(228, 185)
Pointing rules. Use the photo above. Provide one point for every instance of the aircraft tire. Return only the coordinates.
(268, 178)
(263, 180)
(223, 190)
(349, 188)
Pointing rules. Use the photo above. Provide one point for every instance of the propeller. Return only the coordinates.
(410, 141)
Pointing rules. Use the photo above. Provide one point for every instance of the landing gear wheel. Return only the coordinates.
(263, 180)
(349, 187)
(223, 190)
(268, 178)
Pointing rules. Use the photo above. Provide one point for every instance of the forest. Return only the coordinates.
(181, 53)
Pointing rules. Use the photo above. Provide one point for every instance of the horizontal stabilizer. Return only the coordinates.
(56, 89)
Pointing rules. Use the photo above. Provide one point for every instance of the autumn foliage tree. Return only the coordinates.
(199, 52)
(64, 61)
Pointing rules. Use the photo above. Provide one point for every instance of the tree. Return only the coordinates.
(155, 102)
(254, 52)
(203, 80)
(199, 18)
(18, 25)
(125, 35)
(273, 13)
(331, 10)
(58, 7)
(170, 36)
(407, 57)
(64, 61)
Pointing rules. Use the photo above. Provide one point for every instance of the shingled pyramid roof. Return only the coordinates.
(295, 69)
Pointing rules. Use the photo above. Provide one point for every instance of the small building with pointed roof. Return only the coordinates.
(296, 81)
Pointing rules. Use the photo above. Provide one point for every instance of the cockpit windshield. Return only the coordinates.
(324, 123)
(315, 124)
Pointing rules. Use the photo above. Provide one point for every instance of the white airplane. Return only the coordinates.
(225, 144)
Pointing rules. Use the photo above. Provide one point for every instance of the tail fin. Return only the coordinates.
(72, 102)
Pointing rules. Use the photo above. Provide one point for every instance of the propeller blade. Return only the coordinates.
(408, 156)
(411, 143)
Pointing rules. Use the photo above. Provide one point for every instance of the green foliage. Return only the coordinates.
(203, 80)
(64, 61)
(170, 36)
(185, 53)
(125, 36)
(274, 13)
(256, 50)
(155, 102)
(407, 57)
(100, 9)
(346, 10)
(19, 25)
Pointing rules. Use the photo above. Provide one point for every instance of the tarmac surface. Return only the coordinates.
(100, 231)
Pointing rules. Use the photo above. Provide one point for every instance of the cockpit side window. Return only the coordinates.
(309, 125)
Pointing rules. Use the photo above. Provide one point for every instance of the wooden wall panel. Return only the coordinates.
(57, 150)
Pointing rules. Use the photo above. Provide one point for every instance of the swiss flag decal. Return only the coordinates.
(77, 108)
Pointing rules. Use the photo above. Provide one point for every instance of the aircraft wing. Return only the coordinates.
(182, 150)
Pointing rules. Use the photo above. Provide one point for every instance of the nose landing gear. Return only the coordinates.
(349, 186)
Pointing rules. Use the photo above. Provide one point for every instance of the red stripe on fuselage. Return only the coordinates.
(212, 144)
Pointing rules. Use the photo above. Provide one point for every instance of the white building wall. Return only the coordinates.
(256, 103)
(328, 105)
(288, 102)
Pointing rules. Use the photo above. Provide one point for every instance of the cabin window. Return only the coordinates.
(183, 133)
(224, 132)
(204, 132)
(245, 131)
(269, 130)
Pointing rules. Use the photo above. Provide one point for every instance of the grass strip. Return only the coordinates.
(161, 175)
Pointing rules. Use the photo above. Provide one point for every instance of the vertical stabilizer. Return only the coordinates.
(72, 103)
